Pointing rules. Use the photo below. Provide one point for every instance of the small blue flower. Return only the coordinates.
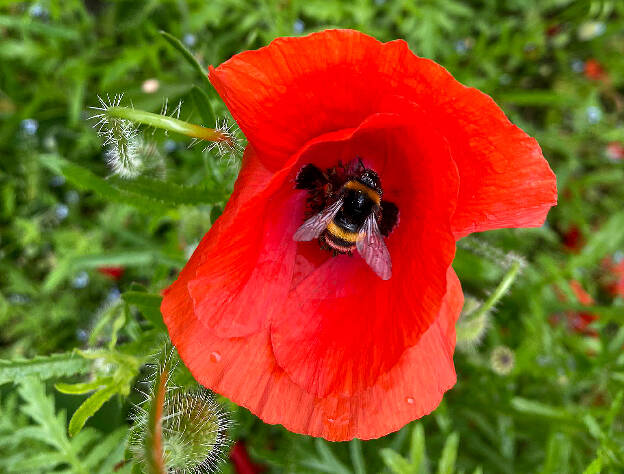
(29, 126)
(56, 181)
(189, 39)
(61, 211)
(298, 26)
(594, 114)
(577, 65)
(113, 295)
(81, 280)
(72, 197)
(170, 146)
(461, 47)
(38, 11)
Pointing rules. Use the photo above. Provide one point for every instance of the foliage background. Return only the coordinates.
(559, 409)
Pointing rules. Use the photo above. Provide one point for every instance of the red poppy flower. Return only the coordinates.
(115, 273)
(594, 70)
(578, 321)
(321, 343)
(614, 268)
(615, 151)
(241, 460)
(573, 239)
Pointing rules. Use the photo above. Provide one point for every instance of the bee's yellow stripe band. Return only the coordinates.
(342, 234)
(357, 186)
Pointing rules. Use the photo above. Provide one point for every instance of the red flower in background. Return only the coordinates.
(615, 151)
(577, 321)
(241, 460)
(614, 268)
(114, 273)
(594, 70)
(321, 344)
(573, 239)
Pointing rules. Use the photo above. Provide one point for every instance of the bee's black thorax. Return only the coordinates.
(356, 208)
(359, 201)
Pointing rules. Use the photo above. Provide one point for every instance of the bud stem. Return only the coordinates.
(169, 123)
(154, 440)
(500, 290)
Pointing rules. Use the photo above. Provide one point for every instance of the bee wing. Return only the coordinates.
(371, 246)
(315, 225)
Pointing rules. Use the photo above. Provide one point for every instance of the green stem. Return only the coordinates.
(169, 123)
(154, 450)
(500, 290)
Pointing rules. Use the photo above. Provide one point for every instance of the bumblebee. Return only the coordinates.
(352, 213)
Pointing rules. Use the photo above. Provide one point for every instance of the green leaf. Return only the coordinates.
(89, 407)
(615, 408)
(203, 106)
(142, 299)
(395, 462)
(449, 455)
(84, 387)
(170, 193)
(56, 365)
(608, 239)
(357, 458)
(542, 410)
(148, 304)
(83, 178)
(177, 44)
(129, 258)
(145, 194)
(103, 454)
(595, 467)
(558, 454)
(49, 427)
(328, 462)
(418, 456)
(40, 461)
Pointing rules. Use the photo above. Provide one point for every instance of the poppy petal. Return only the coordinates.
(225, 266)
(244, 370)
(295, 89)
(342, 326)
(505, 180)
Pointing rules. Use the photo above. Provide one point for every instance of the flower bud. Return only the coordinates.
(502, 360)
(178, 430)
(472, 325)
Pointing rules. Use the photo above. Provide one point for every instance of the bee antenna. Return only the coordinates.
(361, 162)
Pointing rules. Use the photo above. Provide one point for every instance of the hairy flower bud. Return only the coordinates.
(121, 139)
(472, 325)
(502, 360)
(176, 430)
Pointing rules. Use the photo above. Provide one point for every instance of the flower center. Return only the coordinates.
(345, 211)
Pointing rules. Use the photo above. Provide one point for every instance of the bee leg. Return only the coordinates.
(387, 218)
(322, 244)
(310, 177)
